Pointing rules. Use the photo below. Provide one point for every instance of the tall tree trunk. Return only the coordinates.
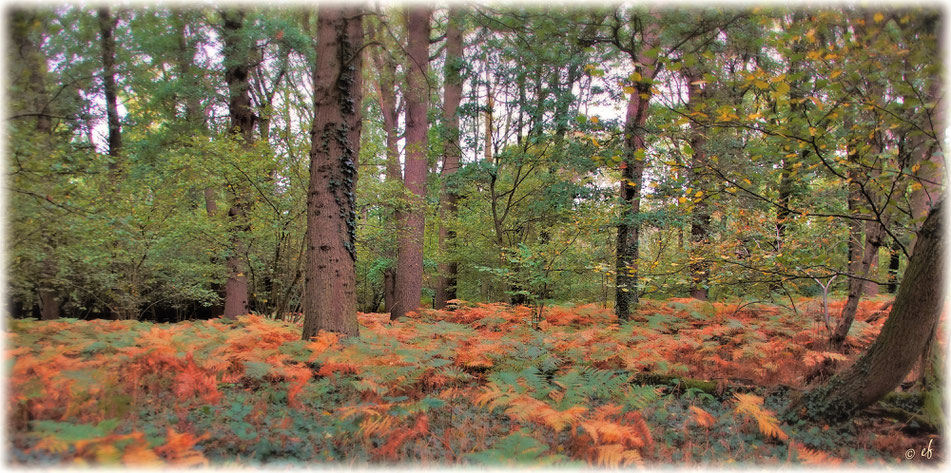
(29, 69)
(861, 256)
(330, 296)
(386, 89)
(237, 56)
(409, 266)
(449, 270)
(700, 222)
(628, 232)
(911, 323)
(107, 27)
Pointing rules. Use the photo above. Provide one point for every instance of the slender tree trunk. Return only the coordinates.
(386, 89)
(628, 233)
(409, 267)
(237, 55)
(929, 160)
(894, 263)
(330, 296)
(911, 323)
(700, 222)
(448, 270)
(107, 26)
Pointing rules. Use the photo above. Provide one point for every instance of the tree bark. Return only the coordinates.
(449, 269)
(107, 26)
(409, 266)
(911, 323)
(330, 296)
(700, 222)
(237, 56)
(628, 232)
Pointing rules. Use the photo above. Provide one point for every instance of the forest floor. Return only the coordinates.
(475, 385)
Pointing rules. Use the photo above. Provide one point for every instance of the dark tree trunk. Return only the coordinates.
(409, 266)
(448, 270)
(911, 323)
(237, 58)
(628, 232)
(894, 263)
(107, 27)
(700, 222)
(330, 296)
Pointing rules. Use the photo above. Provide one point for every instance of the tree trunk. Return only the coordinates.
(409, 266)
(386, 89)
(330, 295)
(894, 263)
(107, 26)
(237, 56)
(700, 223)
(911, 323)
(628, 232)
(30, 69)
(448, 269)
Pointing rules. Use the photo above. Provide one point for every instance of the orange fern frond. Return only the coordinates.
(615, 455)
(179, 449)
(702, 417)
(815, 457)
(752, 405)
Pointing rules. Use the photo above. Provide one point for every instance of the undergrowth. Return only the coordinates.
(477, 384)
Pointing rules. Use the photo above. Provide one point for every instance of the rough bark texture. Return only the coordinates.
(330, 283)
(448, 270)
(107, 27)
(911, 323)
(409, 265)
(700, 223)
(237, 55)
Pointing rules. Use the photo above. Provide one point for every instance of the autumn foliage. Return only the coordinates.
(477, 384)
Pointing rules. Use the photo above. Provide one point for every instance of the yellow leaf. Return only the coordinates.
(878, 17)
(594, 120)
